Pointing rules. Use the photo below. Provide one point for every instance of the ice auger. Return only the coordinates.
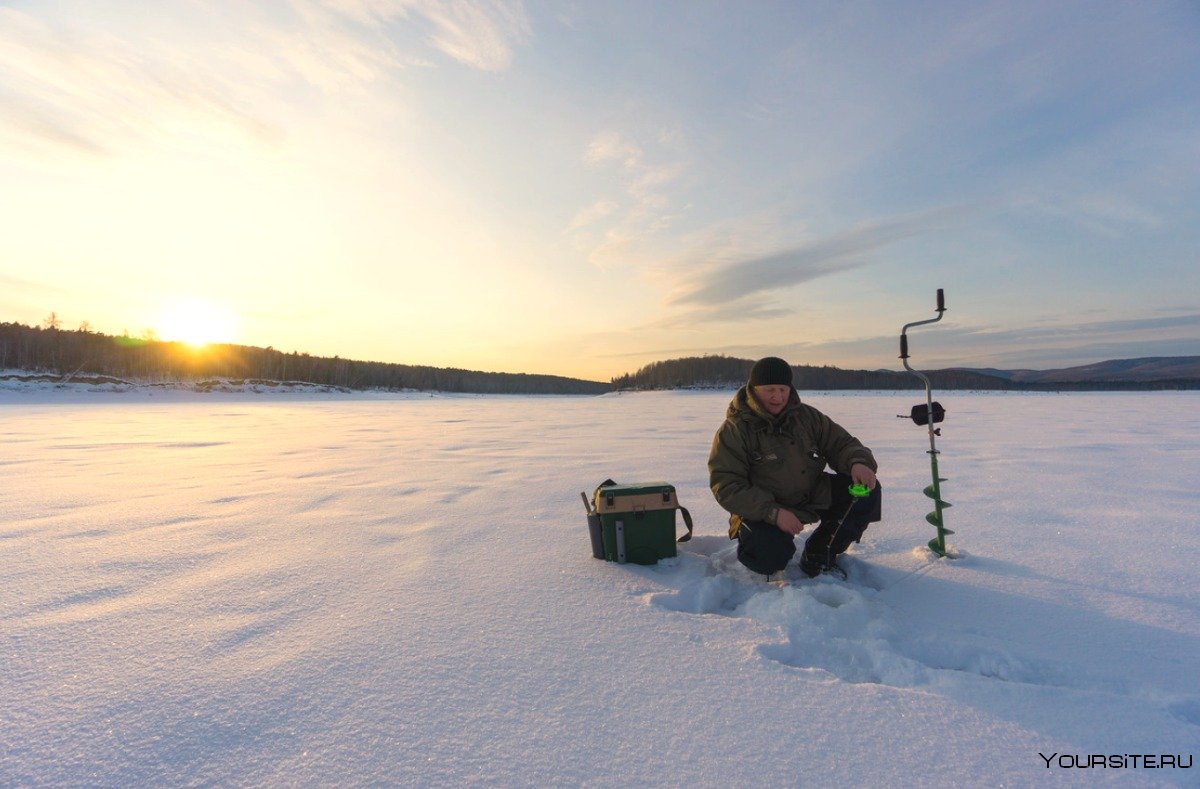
(929, 414)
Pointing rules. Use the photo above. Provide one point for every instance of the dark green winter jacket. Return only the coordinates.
(760, 463)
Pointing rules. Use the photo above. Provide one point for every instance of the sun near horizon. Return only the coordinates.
(196, 322)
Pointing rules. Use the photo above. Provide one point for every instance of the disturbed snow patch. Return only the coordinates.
(846, 629)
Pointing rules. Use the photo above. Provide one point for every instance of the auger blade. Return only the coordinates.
(942, 503)
(935, 519)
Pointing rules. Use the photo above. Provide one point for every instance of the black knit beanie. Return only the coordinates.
(771, 371)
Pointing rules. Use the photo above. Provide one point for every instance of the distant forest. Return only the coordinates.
(725, 372)
(66, 352)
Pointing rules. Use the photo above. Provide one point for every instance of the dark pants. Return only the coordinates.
(766, 549)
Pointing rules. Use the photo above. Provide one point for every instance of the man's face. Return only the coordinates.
(773, 397)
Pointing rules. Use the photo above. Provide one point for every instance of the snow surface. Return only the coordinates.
(317, 589)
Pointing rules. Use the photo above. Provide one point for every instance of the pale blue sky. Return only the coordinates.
(585, 187)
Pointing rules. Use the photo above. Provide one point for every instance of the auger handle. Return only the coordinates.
(941, 308)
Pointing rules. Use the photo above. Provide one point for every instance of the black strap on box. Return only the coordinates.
(687, 520)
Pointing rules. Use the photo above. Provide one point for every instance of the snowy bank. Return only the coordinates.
(25, 387)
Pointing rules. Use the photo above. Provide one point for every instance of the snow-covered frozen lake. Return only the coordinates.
(307, 590)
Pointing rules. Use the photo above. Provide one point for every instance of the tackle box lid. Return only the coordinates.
(640, 495)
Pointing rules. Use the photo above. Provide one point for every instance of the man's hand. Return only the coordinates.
(861, 474)
(787, 522)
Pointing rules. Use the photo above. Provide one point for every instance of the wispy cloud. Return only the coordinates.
(593, 214)
(612, 146)
(478, 33)
(27, 120)
(646, 169)
(726, 282)
(89, 91)
(70, 83)
(1050, 343)
(739, 312)
(1020, 347)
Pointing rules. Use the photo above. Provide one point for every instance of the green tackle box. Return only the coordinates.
(637, 522)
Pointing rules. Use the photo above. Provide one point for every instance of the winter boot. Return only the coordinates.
(815, 561)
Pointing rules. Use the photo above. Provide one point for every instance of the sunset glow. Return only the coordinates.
(196, 323)
(585, 188)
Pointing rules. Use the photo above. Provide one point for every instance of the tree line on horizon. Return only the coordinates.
(66, 352)
(725, 372)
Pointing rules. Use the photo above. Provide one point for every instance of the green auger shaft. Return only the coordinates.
(934, 491)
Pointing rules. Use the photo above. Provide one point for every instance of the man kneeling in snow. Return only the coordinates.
(767, 468)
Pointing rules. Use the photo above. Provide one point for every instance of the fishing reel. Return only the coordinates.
(924, 413)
